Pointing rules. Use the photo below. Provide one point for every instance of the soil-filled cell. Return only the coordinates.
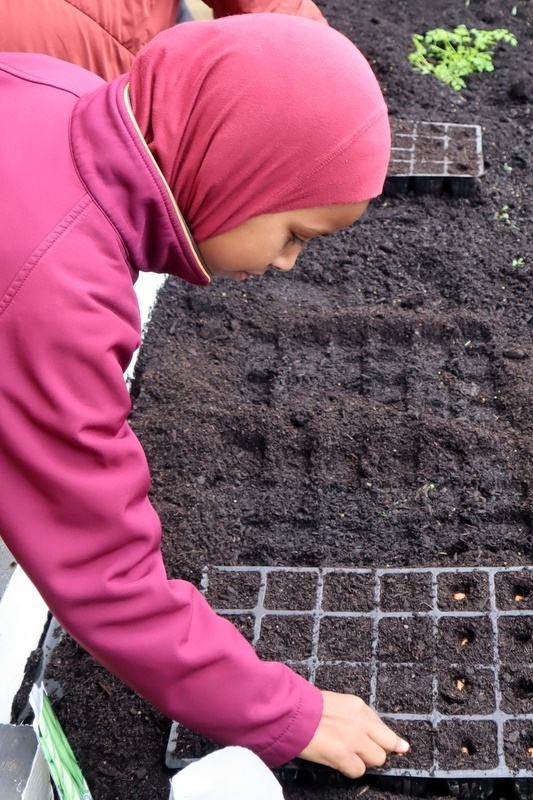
(518, 744)
(233, 589)
(287, 637)
(348, 591)
(190, 745)
(428, 146)
(515, 639)
(465, 691)
(345, 678)
(514, 590)
(466, 745)
(403, 689)
(463, 591)
(405, 591)
(302, 669)
(516, 686)
(291, 590)
(405, 639)
(345, 639)
(421, 737)
(244, 623)
(465, 640)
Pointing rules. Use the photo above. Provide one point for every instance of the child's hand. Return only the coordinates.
(351, 737)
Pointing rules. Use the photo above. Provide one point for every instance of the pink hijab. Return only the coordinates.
(260, 113)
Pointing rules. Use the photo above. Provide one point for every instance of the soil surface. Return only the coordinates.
(371, 409)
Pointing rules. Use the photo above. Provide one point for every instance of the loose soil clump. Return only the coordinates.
(372, 409)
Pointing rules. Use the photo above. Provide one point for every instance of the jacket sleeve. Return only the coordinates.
(300, 8)
(74, 507)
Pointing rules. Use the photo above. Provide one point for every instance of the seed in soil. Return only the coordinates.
(463, 744)
(514, 590)
(465, 640)
(463, 591)
(466, 692)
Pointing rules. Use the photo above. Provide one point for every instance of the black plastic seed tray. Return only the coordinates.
(432, 157)
(444, 655)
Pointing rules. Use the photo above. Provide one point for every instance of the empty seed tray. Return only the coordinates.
(432, 157)
(445, 656)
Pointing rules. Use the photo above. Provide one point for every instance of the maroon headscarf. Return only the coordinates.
(260, 113)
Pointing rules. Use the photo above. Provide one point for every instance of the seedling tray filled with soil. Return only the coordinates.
(444, 655)
(431, 157)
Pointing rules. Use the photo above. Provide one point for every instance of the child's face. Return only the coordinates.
(273, 241)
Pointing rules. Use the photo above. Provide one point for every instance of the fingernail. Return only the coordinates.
(403, 747)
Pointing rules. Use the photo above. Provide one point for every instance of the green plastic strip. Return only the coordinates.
(64, 769)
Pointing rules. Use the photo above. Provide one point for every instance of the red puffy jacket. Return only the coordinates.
(104, 36)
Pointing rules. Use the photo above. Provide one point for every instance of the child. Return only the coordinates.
(229, 145)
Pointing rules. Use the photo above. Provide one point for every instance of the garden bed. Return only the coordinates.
(371, 410)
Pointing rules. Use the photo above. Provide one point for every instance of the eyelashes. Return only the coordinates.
(297, 240)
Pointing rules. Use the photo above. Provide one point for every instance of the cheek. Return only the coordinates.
(216, 253)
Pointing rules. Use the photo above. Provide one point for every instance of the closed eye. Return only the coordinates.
(297, 240)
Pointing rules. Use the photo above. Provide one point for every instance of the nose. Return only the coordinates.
(284, 262)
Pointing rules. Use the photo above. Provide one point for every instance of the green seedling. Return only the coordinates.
(451, 56)
(504, 216)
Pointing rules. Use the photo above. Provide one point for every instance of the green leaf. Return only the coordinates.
(451, 56)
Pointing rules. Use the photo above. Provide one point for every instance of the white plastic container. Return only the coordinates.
(233, 773)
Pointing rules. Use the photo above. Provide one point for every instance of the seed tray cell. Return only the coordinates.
(444, 655)
(431, 157)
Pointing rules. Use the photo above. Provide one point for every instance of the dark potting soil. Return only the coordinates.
(371, 409)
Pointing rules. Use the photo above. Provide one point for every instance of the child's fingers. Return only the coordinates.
(370, 754)
(402, 747)
(352, 766)
(351, 736)
(386, 738)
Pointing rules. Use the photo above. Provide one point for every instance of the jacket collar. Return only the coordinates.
(121, 174)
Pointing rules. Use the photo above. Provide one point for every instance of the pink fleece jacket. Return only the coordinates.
(74, 508)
